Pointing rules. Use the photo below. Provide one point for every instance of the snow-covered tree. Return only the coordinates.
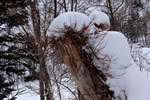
(69, 42)
(93, 58)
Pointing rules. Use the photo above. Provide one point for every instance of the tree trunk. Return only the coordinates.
(80, 96)
(44, 79)
(55, 8)
(72, 4)
(85, 76)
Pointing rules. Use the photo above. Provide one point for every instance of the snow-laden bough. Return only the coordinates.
(74, 20)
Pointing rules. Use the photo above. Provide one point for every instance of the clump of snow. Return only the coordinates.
(75, 20)
(3, 29)
(115, 46)
(100, 18)
(3, 26)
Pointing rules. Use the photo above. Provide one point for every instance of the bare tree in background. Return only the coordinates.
(45, 83)
(40, 18)
(113, 6)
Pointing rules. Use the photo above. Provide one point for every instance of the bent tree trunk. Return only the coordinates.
(89, 81)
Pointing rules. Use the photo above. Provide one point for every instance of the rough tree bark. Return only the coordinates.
(88, 79)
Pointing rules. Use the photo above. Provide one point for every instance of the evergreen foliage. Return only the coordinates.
(13, 12)
(16, 50)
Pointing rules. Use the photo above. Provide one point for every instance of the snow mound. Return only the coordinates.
(75, 20)
(115, 46)
(100, 19)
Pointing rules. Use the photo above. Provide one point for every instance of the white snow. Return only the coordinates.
(133, 83)
(27, 91)
(29, 96)
(99, 18)
(115, 45)
(3, 29)
(3, 26)
(75, 20)
(124, 76)
(136, 85)
(126, 79)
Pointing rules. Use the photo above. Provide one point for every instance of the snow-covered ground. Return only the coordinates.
(28, 91)
(28, 96)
